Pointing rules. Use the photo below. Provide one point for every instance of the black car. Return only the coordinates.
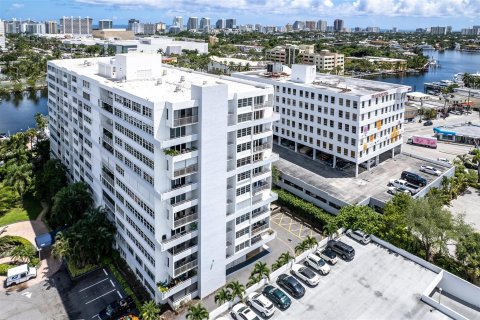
(116, 309)
(277, 296)
(291, 285)
(414, 178)
(342, 249)
(428, 123)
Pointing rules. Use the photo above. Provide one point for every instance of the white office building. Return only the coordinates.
(181, 160)
(333, 117)
(76, 25)
(2, 36)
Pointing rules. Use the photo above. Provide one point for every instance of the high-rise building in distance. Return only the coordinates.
(2, 36)
(177, 23)
(338, 25)
(231, 24)
(149, 28)
(105, 24)
(322, 25)
(192, 23)
(221, 24)
(310, 25)
(205, 24)
(76, 25)
(135, 26)
(181, 160)
(51, 27)
(298, 25)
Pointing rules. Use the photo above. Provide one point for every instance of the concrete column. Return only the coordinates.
(314, 154)
(296, 147)
(377, 160)
(368, 165)
(393, 153)
(356, 170)
(334, 161)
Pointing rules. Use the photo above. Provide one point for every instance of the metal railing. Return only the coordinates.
(179, 203)
(179, 222)
(177, 236)
(260, 188)
(259, 229)
(259, 213)
(262, 147)
(185, 267)
(260, 105)
(260, 173)
(109, 179)
(107, 140)
(184, 121)
(182, 248)
(181, 172)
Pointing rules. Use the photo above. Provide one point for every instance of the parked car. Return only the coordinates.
(328, 255)
(404, 185)
(414, 178)
(22, 273)
(317, 263)
(428, 123)
(430, 170)
(277, 296)
(395, 190)
(444, 160)
(305, 274)
(291, 285)
(259, 302)
(241, 312)
(359, 235)
(342, 249)
(116, 309)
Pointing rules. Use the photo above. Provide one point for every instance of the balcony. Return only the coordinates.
(185, 171)
(265, 236)
(177, 239)
(264, 186)
(184, 154)
(185, 121)
(177, 285)
(178, 190)
(262, 105)
(259, 228)
(262, 147)
(167, 143)
(183, 250)
(185, 267)
(177, 223)
(259, 213)
(183, 204)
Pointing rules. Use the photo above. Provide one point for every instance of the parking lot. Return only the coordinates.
(377, 284)
(60, 298)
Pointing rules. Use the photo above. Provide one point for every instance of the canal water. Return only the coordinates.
(17, 110)
(451, 63)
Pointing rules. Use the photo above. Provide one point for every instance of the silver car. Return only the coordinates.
(358, 235)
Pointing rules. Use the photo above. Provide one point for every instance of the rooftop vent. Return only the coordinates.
(205, 82)
(182, 78)
(159, 82)
(164, 73)
(178, 88)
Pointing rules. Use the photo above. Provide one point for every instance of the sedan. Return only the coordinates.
(430, 170)
(259, 302)
(428, 123)
(395, 190)
(242, 312)
(277, 296)
(115, 309)
(305, 274)
(358, 235)
(291, 285)
(328, 255)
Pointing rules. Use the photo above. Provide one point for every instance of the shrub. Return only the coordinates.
(4, 268)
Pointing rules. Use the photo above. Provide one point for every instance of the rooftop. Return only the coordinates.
(331, 83)
(462, 129)
(170, 84)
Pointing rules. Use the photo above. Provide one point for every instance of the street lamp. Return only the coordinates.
(440, 296)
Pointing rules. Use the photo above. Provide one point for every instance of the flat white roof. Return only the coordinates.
(150, 89)
(16, 270)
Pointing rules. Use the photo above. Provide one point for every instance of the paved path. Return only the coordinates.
(29, 230)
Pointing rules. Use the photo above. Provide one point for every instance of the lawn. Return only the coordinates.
(29, 210)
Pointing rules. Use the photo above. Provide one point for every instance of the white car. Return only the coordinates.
(317, 263)
(328, 255)
(358, 235)
(242, 312)
(259, 302)
(430, 170)
(305, 274)
(395, 190)
(444, 160)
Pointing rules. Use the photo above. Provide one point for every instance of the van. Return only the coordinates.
(342, 249)
(20, 274)
(414, 178)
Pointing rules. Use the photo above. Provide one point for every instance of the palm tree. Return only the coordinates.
(222, 296)
(237, 290)
(19, 177)
(253, 279)
(330, 229)
(31, 134)
(262, 270)
(149, 310)
(282, 260)
(41, 121)
(301, 247)
(197, 312)
(476, 158)
(310, 242)
(61, 248)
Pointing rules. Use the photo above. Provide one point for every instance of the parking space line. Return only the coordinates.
(113, 285)
(100, 296)
(95, 315)
(93, 285)
(119, 294)
(105, 272)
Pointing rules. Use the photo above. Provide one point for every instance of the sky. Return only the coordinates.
(403, 14)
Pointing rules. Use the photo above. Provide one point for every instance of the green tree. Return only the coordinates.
(222, 296)
(358, 217)
(282, 260)
(19, 177)
(468, 254)
(262, 270)
(236, 289)
(70, 203)
(197, 312)
(301, 247)
(41, 122)
(149, 310)
(51, 179)
(23, 253)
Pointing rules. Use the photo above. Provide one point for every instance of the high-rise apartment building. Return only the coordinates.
(192, 23)
(177, 23)
(298, 25)
(135, 26)
(2, 36)
(51, 27)
(322, 25)
(149, 28)
(205, 24)
(160, 27)
(76, 25)
(181, 160)
(338, 25)
(105, 24)
(33, 27)
(310, 25)
(438, 30)
(231, 23)
(13, 26)
(335, 117)
(221, 24)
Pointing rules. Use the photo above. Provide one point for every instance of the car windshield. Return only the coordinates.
(307, 273)
(280, 295)
(330, 254)
(243, 310)
(321, 263)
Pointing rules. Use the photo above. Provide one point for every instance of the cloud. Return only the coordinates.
(304, 8)
(17, 5)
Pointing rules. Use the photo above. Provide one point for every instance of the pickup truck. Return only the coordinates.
(404, 185)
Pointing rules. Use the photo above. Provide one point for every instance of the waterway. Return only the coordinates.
(451, 63)
(17, 110)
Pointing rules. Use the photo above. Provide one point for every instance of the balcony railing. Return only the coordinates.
(185, 267)
(260, 105)
(259, 229)
(179, 203)
(107, 140)
(184, 171)
(260, 188)
(179, 222)
(182, 248)
(259, 173)
(259, 213)
(184, 121)
(261, 237)
(109, 179)
(177, 236)
(262, 147)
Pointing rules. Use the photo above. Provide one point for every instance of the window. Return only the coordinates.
(243, 176)
(243, 190)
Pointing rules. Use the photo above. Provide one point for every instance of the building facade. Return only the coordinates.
(51, 27)
(205, 25)
(135, 26)
(338, 25)
(333, 117)
(76, 25)
(325, 60)
(105, 24)
(221, 24)
(192, 23)
(181, 161)
(231, 23)
(322, 25)
(2, 36)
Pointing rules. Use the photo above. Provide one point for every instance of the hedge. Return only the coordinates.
(304, 209)
(4, 268)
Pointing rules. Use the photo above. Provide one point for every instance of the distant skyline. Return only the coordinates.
(403, 14)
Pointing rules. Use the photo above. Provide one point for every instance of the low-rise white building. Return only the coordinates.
(335, 117)
(181, 160)
(224, 65)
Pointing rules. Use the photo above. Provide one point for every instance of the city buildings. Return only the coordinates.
(221, 24)
(76, 25)
(291, 54)
(149, 28)
(105, 24)
(161, 27)
(331, 116)
(2, 36)
(473, 31)
(384, 62)
(310, 25)
(51, 27)
(322, 25)
(325, 60)
(113, 35)
(373, 29)
(205, 25)
(298, 25)
(181, 160)
(338, 25)
(231, 23)
(24, 26)
(177, 23)
(192, 23)
(438, 30)
(135, 26)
